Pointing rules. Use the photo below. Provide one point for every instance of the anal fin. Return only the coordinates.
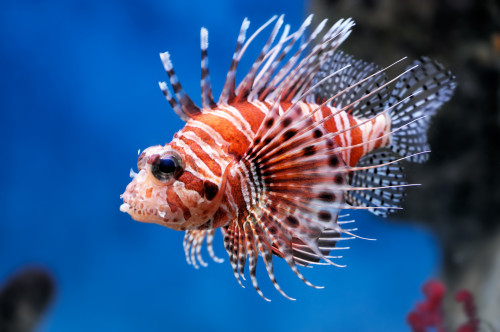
(377, 183)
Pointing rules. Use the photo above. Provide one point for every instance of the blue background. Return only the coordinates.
(78, 98)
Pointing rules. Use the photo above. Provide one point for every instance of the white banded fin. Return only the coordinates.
(207, 99)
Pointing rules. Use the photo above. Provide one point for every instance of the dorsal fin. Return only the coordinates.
(356, 72)
(173, 103)
(207, 100)
(246, 84)
(261, 82)
(228, 89)
(294, 78)
(264, 83)
(312, 63)
(295, 75)
(431, 85)
(187, 109)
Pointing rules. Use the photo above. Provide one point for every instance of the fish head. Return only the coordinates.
(165, 192)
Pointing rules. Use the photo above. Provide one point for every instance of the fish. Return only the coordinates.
(25, 298)
(308, 134)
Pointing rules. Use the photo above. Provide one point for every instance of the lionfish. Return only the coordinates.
(305, 134)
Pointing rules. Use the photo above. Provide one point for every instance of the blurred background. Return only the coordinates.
(78, 98)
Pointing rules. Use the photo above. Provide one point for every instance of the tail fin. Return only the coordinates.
(432, 86)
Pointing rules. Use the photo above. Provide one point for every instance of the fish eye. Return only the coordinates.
(167, 167)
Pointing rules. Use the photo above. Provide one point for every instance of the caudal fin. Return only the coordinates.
(431, 86)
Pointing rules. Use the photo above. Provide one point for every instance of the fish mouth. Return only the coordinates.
(129, 207)
(133, 203)
(125, 207)
(143, 212)
(136, 214)
(147, 203)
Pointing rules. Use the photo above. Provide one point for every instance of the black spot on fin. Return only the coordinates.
(295, 180)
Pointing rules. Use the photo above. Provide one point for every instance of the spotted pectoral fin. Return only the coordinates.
(297, 175)
(377, 183)
(291, 180)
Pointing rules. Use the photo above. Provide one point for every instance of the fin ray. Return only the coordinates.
(431, 86)
(188, 107)
(387, 182)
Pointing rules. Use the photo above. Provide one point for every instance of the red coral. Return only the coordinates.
(472, 323)
(429, 313)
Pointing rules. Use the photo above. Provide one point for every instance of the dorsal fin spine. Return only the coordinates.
(256, 33)
(173, 103)
(268, 68)
(272, 90)
(187, 105)
(277, 103)
(207, 99)
(228, 89)
(263, 86)
(291, 62)
(246, 84)
(311, 64)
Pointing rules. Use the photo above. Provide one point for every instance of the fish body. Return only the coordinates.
(275, 160)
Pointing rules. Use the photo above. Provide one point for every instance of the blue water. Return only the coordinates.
(78, 98)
